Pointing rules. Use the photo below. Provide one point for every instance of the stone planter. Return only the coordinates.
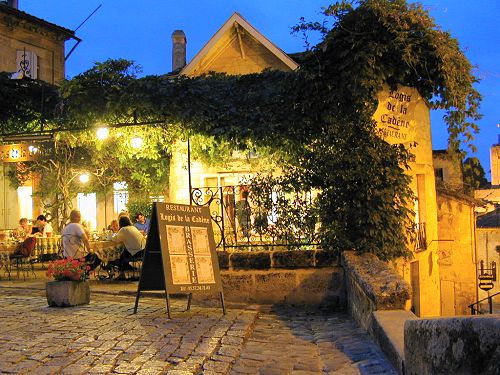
(67, 293)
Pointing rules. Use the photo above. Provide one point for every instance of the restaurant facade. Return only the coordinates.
(238, 48)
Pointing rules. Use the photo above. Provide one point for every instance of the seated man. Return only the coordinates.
(44, 227)
(75, 242)
(132, 240)
(141, 223)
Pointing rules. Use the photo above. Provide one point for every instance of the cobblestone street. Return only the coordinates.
(105, 337)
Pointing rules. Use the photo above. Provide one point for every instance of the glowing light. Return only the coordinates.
(102, 133)
(84, 178)
(136, 142)
(33, 149)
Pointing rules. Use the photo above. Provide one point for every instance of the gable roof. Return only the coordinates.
(66, 33)
(489, 220)
(235, 24)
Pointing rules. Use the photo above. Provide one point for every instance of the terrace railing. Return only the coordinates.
(241, 224)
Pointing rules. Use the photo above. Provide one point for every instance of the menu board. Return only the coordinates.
(180, 254)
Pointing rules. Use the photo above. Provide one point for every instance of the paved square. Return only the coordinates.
(105, 337)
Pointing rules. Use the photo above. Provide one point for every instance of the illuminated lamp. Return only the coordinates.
(136, 142)
(102, 133)
(84, 178)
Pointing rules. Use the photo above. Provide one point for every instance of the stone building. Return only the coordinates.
(491, 195)
(236, 48)
(457, 254)
(488, 222)
(488, 247)
(403, 117)
(32, 47)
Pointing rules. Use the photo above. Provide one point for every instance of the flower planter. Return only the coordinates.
(67, 293)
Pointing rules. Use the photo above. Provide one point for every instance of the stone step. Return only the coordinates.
(387, 328)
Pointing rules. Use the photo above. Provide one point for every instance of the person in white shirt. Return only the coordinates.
(44, 227)
(75, 242)
(131, 239)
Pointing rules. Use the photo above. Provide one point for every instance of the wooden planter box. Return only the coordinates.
(67, 293)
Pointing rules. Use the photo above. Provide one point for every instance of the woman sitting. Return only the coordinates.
(133, 242)
(24, 229)
(114, 226)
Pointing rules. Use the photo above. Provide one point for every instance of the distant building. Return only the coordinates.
(35, 48)
(488, 245)
(488, 224)
(31, 46)
(491, 196)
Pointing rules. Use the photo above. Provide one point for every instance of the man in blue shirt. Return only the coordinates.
(141, 223)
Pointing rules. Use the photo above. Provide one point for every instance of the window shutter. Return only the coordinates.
(27, 63)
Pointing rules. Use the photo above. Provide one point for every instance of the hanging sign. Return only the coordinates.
(180, 254)
(16, 153)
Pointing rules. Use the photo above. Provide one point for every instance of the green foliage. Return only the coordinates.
(474, 175)
(145, 170)
(97, 95)
(319, 117)
(27, 104)
(373, 42)
(134, 206)
(364, 195)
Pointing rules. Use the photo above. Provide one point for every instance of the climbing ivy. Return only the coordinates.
(319, 117)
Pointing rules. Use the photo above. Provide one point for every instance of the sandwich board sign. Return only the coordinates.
(180, 255)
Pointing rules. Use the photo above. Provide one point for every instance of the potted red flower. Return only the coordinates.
(71, 286)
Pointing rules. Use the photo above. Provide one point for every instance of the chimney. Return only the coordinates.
(13, 4)
(179, 42)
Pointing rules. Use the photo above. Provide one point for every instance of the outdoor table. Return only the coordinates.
(106, 251)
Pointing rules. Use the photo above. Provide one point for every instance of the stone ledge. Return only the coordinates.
(277, 259)
(250, 260)
(380, 283)
(292, 259)
(459, 345)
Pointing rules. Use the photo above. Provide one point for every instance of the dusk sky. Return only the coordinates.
(141, 31)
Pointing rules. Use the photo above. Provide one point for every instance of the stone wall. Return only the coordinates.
(294, 277)
(377, 298)
(460, 345)
(372, 285)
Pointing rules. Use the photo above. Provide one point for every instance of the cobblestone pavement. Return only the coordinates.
(105, 337)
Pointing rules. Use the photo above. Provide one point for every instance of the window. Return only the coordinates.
(25, 201)
(120, 197)
(27, 63)
(87, 204)
(421, 213)
(439, 174)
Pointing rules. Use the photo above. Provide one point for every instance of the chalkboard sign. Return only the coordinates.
(180, 254)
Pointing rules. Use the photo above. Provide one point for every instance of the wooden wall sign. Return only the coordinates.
(16, 153)
(180, 254)
(398, 114)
